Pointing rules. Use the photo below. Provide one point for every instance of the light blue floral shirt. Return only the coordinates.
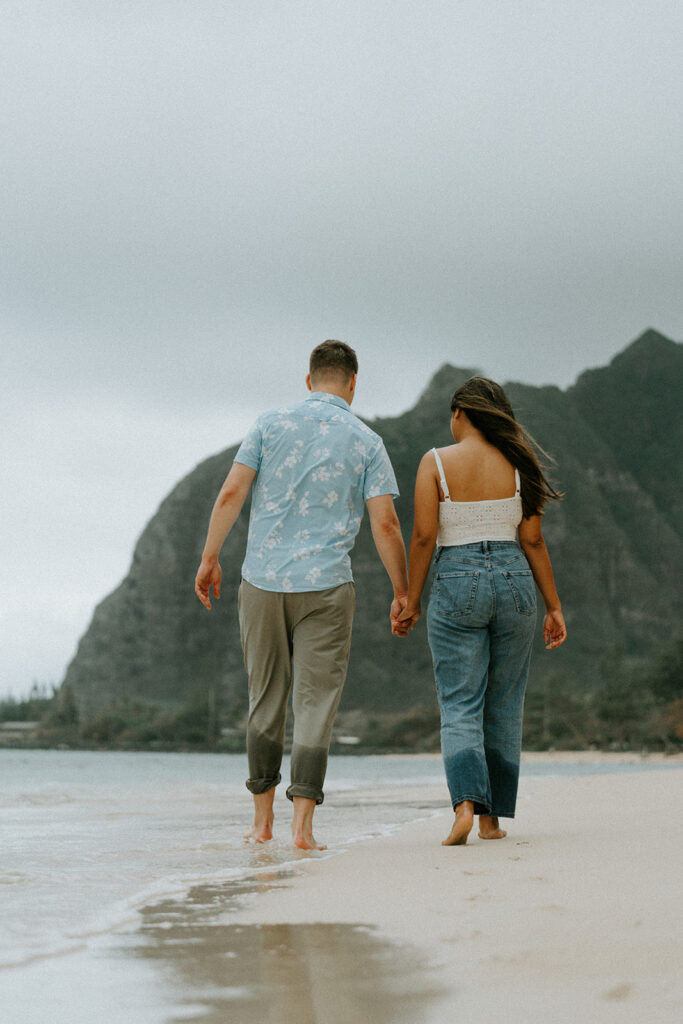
(317, 465)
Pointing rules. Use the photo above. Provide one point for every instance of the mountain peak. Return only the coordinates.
(649, 344)
(444, 382)
(651, 336)
(651, 356)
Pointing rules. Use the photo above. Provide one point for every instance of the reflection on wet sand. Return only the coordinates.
(218, 971)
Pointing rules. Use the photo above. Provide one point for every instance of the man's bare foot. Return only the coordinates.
(464, 817)
(307, 842)
(489, 828)
(302, 824)
(262, 829)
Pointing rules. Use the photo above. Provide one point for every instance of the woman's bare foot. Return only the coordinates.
(262, 829)
(464, 818)
(489, 828)
(302, 824)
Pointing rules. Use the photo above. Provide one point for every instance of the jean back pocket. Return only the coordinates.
(521, 583)
(456, 593)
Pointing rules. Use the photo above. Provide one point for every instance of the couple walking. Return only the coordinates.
(314, 467)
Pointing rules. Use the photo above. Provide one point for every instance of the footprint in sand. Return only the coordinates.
(618, 992)
(478, 896)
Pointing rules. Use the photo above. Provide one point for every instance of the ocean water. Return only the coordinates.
(87, 839)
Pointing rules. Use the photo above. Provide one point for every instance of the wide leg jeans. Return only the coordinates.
(481, 621)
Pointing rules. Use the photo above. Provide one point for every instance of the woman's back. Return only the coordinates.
(476, 471)
(479, 492)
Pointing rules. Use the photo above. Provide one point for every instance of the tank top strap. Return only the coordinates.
(439, 466)
(517, 483)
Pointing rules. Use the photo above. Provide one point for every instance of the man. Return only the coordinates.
(314, 466)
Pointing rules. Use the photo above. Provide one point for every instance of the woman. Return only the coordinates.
(472, 499)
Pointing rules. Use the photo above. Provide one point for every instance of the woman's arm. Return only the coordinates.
(422, 543)
(533, 546)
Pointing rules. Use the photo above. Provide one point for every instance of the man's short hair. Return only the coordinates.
(333, 359)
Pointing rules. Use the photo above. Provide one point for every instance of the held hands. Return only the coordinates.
(406, 619)
(397, 606)
(554, 629)
(208, 575)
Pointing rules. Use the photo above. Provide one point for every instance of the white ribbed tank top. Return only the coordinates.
(467, 522)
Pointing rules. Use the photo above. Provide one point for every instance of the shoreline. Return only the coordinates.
(528, 756)
(571, 756)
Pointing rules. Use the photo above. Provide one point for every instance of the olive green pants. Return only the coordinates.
(298, 642)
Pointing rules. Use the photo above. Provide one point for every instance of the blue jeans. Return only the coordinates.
(481, 622)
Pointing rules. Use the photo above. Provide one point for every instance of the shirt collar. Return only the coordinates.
(325, 396)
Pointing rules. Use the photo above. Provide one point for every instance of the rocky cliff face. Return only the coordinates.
(615, 541)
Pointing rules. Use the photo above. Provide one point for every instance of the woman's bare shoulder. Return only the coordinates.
(454, 454)
(427, 463)
(448, 450)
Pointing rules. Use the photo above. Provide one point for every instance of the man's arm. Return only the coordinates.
(226, 509)
(386, 533)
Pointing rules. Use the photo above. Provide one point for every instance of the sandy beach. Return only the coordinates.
(575, 916)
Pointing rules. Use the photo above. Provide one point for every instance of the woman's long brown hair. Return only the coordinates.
(488, 410)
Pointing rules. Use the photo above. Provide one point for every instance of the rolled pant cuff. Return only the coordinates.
(257, 786)
(309, 792)
(480, 806)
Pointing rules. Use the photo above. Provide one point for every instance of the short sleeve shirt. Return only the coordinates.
(317, 465)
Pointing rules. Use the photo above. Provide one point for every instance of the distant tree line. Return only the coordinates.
(633, 708)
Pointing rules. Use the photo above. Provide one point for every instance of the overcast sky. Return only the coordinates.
(194, 194)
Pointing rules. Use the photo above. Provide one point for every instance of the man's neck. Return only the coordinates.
(333, 387)
(331, 391)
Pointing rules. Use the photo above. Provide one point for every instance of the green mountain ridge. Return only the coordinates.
(616, 437)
